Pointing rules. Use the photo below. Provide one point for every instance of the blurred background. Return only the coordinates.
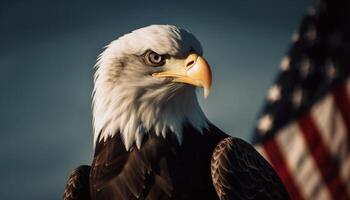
(47, 53)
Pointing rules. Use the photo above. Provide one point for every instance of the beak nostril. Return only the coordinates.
(190, 63)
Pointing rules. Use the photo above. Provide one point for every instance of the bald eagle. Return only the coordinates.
(151, 137)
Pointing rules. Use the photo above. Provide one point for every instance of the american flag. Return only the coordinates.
(304, 127)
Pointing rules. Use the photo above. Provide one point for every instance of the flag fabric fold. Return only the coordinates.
(303, 129)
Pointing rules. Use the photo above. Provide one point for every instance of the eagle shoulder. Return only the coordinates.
(240, 172)
(77, 186)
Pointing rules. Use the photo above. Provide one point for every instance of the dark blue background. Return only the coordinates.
(48, 49)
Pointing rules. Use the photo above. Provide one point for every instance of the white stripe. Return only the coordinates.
(301, 163)
(333, 132)
(330, 124)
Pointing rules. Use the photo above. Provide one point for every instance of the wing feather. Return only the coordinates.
(240, 172)
(77, 187)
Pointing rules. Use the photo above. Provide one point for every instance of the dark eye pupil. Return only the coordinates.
(156, 57)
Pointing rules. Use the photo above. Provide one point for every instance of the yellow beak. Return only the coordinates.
(196, 71)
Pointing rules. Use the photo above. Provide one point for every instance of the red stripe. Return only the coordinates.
(341, 99)
(328, 166)
(277, 160)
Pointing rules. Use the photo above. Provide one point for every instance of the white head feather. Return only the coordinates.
(129, 101)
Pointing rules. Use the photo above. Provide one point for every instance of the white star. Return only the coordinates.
(285, 63)
(331, 72)
(265, 123)
(305, 67)
(274, 93)
(311, 33)
(312, 11)
(297, 97)
(295, 37)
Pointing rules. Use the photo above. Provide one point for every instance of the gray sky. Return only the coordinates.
(48, 49)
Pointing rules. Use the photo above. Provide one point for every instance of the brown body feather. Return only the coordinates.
(162, 169)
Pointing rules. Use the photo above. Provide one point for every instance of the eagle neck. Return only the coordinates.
(134, 113)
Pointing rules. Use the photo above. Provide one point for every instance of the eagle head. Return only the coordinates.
(146, 80)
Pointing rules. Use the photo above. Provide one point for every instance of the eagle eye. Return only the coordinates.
(154, 59)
